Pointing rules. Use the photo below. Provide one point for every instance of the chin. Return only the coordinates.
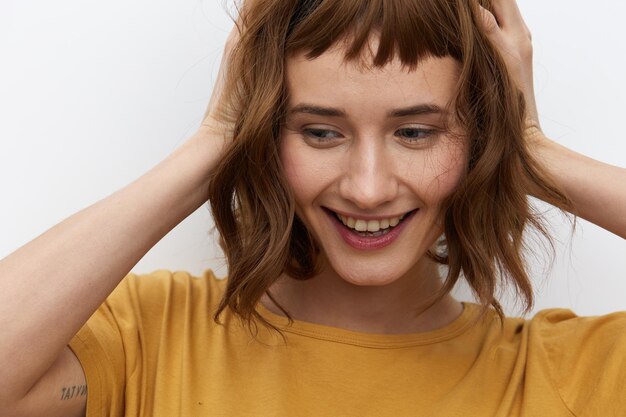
(368, 276)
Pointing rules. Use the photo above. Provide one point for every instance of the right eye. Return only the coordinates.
(320, 135)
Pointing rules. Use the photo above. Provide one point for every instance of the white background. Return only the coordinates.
(93, 94)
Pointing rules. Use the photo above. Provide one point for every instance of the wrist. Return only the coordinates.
(196, 159)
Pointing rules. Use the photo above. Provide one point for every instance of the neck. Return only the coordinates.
(330, 300)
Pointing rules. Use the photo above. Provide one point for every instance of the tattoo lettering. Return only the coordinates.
(67, 393)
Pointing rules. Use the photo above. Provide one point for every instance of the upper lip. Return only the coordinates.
(368, 217)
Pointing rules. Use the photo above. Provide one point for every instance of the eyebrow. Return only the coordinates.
(416, 110)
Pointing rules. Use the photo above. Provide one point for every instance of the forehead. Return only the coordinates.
(330, 78)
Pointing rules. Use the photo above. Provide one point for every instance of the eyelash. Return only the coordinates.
(429, 133)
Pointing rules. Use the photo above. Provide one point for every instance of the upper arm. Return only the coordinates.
(61, 391)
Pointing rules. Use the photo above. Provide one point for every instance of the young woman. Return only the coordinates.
(353, 148)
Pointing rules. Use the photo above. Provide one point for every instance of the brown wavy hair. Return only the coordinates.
(485, 219)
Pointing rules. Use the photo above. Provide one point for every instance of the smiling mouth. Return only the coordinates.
(370, 228)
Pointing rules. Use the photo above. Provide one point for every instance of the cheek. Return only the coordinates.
(303, 169)
(442, 170)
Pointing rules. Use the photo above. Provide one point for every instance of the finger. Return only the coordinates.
(508, 14)
(492, 28)
(495, 33)
(488, 21)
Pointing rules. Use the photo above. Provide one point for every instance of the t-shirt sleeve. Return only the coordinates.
(99, 347)
(112, 345)
(587, 360)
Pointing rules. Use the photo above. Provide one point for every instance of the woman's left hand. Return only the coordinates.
(507, 30)
(595, 188)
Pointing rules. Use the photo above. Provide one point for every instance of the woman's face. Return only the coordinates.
(370, 145)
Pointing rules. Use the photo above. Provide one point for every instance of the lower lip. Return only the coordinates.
(369, 243)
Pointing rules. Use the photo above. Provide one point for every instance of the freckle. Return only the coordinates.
(199, 403)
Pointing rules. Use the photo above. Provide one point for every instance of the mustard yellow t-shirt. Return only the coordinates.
(153, 350)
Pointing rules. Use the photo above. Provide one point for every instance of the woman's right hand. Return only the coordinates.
(79, 262)
(213, 121)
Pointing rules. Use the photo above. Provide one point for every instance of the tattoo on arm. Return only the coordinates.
(67, 393)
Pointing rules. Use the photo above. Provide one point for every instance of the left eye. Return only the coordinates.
(413, 134)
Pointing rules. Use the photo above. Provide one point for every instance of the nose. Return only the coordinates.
(369, 180)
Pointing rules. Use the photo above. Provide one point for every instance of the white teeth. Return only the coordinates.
(370, 225)
(360, 226)
(373, 226)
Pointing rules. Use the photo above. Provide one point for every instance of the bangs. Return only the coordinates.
(414, 30)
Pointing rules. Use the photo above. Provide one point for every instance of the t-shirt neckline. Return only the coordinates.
(374, 340)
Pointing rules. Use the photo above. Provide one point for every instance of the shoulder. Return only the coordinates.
(557, 355)
(558, 328)
(164, 282)
(165, 292)
(140, 331)
(586, 356)
(569, 324)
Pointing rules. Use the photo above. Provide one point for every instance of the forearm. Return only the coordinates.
(52, 285)
(597, 189)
